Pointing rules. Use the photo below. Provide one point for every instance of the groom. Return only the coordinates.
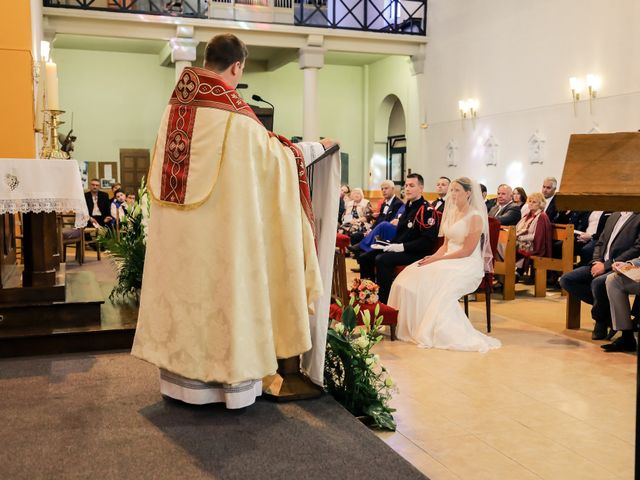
(415, 237)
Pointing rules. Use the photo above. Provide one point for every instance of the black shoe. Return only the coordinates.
(611, 334)
(599, 331)
(622, 344)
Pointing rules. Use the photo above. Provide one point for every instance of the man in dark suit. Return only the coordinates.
(619, 242)
(98, 204)
(415, 237)
(389, 205)
(505, 210)
(549, 187)
(442, 187)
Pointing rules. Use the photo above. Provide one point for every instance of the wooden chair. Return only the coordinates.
(563, 233)
(68, 234)
(507, 266)
(487, 281)
(91, 238)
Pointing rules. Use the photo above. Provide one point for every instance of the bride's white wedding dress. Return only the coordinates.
(427, 298)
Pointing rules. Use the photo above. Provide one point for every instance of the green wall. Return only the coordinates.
(118, 98)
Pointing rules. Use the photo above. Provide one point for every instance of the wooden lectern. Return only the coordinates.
(600, 173)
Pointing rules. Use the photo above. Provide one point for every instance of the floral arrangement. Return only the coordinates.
(353, 374)
(364, 291)
(128, 246)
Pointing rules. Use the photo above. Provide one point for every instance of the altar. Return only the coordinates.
(38, 299)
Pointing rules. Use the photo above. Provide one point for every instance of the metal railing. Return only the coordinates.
(392, 16)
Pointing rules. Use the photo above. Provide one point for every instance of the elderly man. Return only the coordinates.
(505, 210)
(549, 187)
(416, 236)
(442, 187)
(619, 287)
(619, 241)
(386, 218)
(98, 204)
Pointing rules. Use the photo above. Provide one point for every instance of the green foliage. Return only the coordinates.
(353, 374)
(129, 247)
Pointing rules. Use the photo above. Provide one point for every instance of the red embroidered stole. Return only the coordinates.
(196, 88)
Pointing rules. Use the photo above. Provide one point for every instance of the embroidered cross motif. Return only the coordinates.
(187, 87)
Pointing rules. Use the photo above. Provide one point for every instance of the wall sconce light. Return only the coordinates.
(576, 88)
(593, 85)
(468, 108)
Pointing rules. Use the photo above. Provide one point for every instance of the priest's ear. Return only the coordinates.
(237, 69)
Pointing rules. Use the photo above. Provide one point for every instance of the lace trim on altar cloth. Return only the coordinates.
(48, 205)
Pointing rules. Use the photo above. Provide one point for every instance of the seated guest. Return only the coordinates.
(580, 222)
(549, 187)
(619, 287)
(507, 212)
(131, 200)
(590, 237)
(520, 199)
(442, 186)
(357, 213)
(344, 196)
(382, 231)
(387, 210)
(118, 205)
(483, 191)
(619, 241)
(114, 188)
(533, 232)
(416, 236)
(98, 204)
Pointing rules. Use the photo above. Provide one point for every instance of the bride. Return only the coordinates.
(426, 293)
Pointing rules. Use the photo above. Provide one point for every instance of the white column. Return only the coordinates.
(180, 65)
(311, 60)
(418, 66)
(310, 106)
(183, 49)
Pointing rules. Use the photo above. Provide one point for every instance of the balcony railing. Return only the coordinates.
(391, 16)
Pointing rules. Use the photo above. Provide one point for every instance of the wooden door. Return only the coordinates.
(134, 164)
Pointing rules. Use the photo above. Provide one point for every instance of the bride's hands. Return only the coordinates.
(426, 261)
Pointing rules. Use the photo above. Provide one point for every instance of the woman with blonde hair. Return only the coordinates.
(357, 213)
(533, 232)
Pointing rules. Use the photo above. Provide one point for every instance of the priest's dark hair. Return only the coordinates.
(418, 177)
(223, 51)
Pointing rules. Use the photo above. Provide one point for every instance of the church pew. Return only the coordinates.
(563, 233)
(507, 266)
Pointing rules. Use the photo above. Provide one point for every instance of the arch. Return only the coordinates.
(390, 113)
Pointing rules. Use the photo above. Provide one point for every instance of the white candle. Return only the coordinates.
(52, 86)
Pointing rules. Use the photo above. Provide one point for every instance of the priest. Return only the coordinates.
(231, 270)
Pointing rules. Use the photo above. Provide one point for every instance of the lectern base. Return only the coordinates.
(289, 384)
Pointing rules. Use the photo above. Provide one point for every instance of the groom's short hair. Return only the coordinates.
(418, 177)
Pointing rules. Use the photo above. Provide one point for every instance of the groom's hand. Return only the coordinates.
(394, 247)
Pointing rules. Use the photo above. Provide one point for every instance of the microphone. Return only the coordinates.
(258, 98)
(242, 85)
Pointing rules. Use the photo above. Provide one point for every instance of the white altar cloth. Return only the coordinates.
(38, 186)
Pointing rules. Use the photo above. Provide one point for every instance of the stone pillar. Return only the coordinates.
(183, 49)
(311, 60)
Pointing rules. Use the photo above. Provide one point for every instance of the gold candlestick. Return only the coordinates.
(50, 148)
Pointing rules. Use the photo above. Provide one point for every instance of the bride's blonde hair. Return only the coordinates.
(466, 184)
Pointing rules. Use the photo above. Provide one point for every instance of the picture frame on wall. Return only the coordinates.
(106, 182)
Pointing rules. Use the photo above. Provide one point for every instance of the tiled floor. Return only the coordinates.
(549, 404)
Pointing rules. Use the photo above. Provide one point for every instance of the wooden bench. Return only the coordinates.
(507, 266)
(563, 233)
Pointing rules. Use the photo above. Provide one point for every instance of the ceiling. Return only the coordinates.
(259, 56)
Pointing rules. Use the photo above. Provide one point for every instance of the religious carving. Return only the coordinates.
(491, 147)
(452, 150)
(536, 145)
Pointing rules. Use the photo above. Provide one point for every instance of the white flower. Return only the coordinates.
(362, 342)
(339, 327)
(369, 361)
(388, 382)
